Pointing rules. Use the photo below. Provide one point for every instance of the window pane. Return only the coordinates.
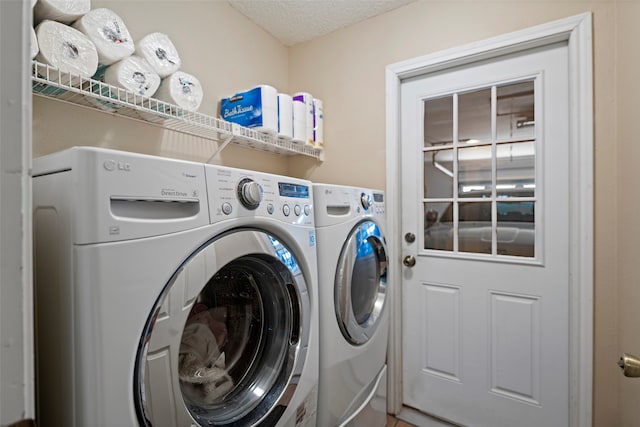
(474, 171)
(516, 169)
(438, 121)
(516, 228)
(438, 174)
(515, 106)
(474, 116)
(474, 227)
(438, 226)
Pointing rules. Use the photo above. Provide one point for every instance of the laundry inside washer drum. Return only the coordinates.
(211, 351)
(235, 340)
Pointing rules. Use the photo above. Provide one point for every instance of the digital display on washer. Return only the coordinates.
(293, 190)
(378, 197)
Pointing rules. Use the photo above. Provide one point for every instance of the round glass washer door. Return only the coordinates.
(226, 341)
(361, 282)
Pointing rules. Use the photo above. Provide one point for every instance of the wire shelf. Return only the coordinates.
(49, 82)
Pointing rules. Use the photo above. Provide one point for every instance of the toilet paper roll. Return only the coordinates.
(181, 89)
(34, 44)
(285, 116)
(299, 122)
(33, 2)
(108, 33)
(66, 49)
(133, 74)
(160, 53)
(306, 99)
(65, 11)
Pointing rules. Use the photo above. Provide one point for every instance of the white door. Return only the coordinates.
(485, 208)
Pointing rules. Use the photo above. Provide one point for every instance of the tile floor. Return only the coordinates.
(394, 422)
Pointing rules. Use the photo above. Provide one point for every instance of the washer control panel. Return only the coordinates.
(237, 193)
(378, 203)
(249, 193)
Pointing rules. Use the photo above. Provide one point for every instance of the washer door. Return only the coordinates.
(361, 282)
(226, 341)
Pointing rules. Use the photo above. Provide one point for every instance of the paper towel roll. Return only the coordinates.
(65, 11)
(34, 44)
(108, 32)
(181, 89)
(306, 99)
(133, 74)
(299, 122)
(160, 53)
(66, 49)
(285, 116)
(318, 123)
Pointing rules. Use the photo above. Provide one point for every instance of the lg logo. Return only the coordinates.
(112, 165)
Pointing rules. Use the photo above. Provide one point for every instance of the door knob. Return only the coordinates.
(630, 365)
(409, 261)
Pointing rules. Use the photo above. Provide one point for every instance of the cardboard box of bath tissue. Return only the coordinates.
(256, 108)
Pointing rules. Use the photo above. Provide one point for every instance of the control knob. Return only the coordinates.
(365, 199)
(249, 193)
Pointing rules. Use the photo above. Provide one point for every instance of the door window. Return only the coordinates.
(479, 171)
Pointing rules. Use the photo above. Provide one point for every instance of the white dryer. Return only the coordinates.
(354, 318)
(172, 294)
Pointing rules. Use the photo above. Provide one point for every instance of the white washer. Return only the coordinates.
(172, 293)
(354, 319)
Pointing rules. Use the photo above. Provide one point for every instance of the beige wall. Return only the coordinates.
(628, 115)
(347, 70)
(226, 51)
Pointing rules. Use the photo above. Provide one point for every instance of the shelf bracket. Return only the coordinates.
(220, 147)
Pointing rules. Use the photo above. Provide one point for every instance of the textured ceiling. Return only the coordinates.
(297, 21)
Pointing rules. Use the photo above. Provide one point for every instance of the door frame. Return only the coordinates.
(17, 385)
(577, 32)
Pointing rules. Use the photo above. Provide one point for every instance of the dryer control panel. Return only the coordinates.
(336, 204)
(238, 193)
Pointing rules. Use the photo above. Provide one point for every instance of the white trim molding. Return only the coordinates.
(17, 383)
(577, 32)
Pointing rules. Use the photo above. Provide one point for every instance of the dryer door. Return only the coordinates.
(226, 342)
(361, 282)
